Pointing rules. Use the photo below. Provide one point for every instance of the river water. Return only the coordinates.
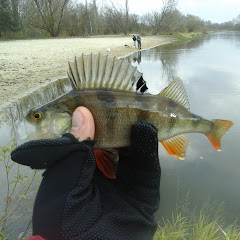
(209, 68)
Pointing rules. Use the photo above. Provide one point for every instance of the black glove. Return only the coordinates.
(76, 201)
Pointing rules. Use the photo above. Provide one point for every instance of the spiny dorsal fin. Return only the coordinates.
(177, 92)
(99, 71)
(176, 146)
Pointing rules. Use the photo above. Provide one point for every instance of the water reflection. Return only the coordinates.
(137, 57)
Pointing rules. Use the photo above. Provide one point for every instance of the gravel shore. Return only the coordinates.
(26, 64)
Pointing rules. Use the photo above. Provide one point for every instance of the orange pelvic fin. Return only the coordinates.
(107, 162)
(220, 127)
(176, 146)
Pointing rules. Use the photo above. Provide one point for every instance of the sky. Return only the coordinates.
(217, 11)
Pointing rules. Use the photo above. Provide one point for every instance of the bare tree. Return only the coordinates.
(15, 12)
(85, 21)
(70, 21)
(50, 13)
(126, 15)
(33, 18)
(28, 16)
(193, 23)
(6, 23)
(117, 16)
(133, 23)
(94, 17)
(156, 18)
(236, 22)
(174, 21)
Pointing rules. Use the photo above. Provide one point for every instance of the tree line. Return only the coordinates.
(53, 18)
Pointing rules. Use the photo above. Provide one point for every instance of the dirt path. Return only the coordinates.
(25, 64)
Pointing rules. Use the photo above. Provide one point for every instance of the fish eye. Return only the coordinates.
(37, 115)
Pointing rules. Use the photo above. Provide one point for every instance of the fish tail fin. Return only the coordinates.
(220, 127)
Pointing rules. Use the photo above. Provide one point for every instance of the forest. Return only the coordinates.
(22, 19)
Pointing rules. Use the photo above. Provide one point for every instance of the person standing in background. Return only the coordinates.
(134, 41)
(139, 42)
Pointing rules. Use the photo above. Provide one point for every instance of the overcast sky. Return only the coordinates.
(216, 11)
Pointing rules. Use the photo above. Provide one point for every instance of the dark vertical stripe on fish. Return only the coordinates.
(77, 99)
(106, 98)
(142, 114)
(108, 103)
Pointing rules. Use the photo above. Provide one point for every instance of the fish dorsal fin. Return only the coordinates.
(101, 71)
(176, 146)
(177, 92)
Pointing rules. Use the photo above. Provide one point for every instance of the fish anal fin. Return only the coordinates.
(176, 146)
(176, 92)
(107, 160)
(220, 127)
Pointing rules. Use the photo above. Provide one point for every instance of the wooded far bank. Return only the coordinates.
(64, 18)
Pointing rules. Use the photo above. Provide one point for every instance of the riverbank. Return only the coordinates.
(26, 64)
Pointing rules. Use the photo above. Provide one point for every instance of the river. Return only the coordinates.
(209, 68)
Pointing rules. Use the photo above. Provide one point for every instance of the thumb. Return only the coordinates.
(83, 126)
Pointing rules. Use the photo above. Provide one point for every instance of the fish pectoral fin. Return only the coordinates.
(107, 160)
(176, 146)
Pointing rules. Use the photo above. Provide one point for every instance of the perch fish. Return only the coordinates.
(108, 88)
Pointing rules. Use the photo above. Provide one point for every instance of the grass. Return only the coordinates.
(205, 224)
(186, 36)
(200, 228)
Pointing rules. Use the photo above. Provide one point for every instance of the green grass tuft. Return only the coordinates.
(201, 226)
